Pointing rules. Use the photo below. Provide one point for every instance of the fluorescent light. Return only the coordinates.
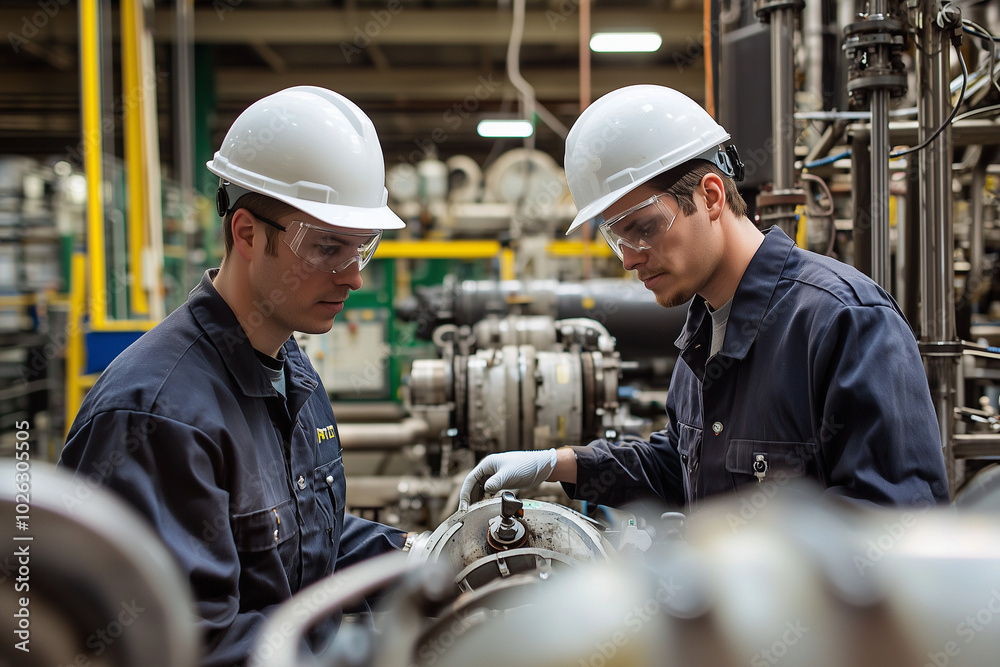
(625, 42)
(504, 128)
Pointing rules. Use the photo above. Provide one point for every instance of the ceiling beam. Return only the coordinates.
(423, 26)
(424, 83)
(448, 83)
(230, 23)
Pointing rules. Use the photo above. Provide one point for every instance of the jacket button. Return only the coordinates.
(717, 428)
(275, 534)
(684, 459)
(301, 482)
(329, 480)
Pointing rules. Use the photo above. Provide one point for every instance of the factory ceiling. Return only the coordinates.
(425, 72)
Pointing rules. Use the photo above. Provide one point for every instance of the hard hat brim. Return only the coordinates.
(598, 206)
(338, 215)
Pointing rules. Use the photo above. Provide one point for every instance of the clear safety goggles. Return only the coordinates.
(640, 227)
(325, 249)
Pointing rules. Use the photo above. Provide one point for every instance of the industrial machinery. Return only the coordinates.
(779, 575)
(643, 330)
(534, 383)
(87, 582)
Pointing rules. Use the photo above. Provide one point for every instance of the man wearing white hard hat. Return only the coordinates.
(214, 425)
(791, 364)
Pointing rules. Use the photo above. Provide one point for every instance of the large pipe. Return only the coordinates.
(861, 182)
(813, 31)
(937, 313)
(879, 100)
(379, 437)
(782, 110)
(368, 412)
(782, 74)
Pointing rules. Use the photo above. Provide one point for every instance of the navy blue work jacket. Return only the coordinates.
(246, 489)
(819, 376)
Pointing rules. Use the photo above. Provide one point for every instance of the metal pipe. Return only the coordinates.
(376, 437)
(184, 129)
(977, 244)
(782, 107)
(910, 285)
(977, 445)
(814, 30)
(937, 313)
(879, 101)
(861, 183)
(879, 233)
(368, 412)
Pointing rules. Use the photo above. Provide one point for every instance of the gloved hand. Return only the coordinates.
(508, 470)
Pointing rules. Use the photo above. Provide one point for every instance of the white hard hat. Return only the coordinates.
(632, 134)
(313, 149)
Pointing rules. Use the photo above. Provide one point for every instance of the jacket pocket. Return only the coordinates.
(689, 448)
(763, 460)
(328, 481)
(264, 529)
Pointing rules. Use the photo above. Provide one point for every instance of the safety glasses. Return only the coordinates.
(640, 226)
(325, 249)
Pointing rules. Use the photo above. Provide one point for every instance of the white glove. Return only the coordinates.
(508, 470)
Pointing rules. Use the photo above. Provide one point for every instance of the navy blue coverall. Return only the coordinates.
(246, 489)
(819, 376)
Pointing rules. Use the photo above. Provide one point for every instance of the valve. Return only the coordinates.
(507, 531)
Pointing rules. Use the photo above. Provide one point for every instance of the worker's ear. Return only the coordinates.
(243, 233)
(715, 195)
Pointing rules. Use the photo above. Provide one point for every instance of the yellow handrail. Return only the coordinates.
(133, 101)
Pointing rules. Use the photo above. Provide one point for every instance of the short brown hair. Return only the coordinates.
(260, 206)
(681, 182)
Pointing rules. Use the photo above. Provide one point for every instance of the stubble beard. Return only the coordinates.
(673, 300)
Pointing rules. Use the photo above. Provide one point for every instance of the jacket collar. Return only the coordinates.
(750, 302)
(219, 323)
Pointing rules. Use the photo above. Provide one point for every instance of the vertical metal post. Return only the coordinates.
(910, 302)
(861, 183)
(782, 108)
(183, 130)
(879, 100)
(977, 243)
(778, 206)
(937, 313)
(782, 73)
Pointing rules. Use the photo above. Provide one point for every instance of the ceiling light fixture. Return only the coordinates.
(625, 42)
(504, 128)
